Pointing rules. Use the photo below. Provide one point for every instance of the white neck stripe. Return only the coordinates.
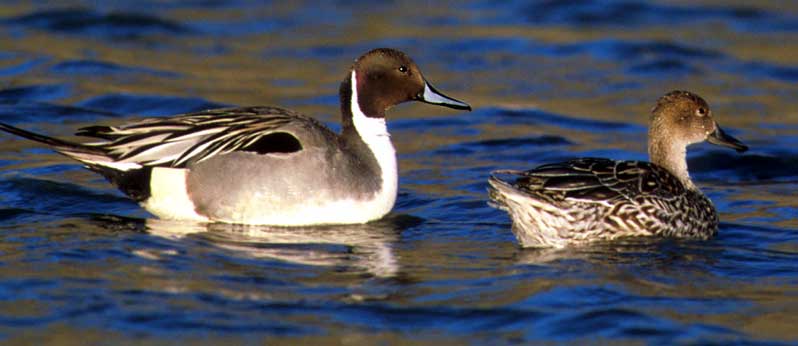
(365, 125)
(374, 133)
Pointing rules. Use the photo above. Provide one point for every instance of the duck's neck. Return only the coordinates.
(671, 155)
(368, 132)
(354, 121)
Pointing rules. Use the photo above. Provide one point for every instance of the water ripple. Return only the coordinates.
(617, 13)
(101, 68)
(540, 117)
(748, 167)
(34, 93)
(148, 105)
(113, 25)
(19, 110)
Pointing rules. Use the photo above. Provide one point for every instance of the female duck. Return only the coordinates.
(264, 165)
(589, 199)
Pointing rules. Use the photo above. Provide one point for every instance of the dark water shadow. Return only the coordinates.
(32, 111)
(148, 105)
(627, 13)
(16, 215)
(779, 72)
(34, 93)
(482, 147)
(756, 167)
(540, 117)
(613, 49)
(61, 198)
(655, 58)
(96, 68)
(23, 104)
(112, 25)
(672, 67)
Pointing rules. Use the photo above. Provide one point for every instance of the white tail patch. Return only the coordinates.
(169, 197)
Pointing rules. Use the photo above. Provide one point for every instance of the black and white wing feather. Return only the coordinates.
(127, 154)
(191, 138)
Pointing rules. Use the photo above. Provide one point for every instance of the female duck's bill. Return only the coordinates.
(719, 137)
(591, 199)
(264, 165)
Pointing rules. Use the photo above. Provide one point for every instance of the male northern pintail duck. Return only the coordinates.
(589, 199)
(264, 165)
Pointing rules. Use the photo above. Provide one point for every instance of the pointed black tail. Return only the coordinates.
(133, 180)
(57, 144)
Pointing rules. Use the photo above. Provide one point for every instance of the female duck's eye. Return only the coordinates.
(701, 111)
(403, 69)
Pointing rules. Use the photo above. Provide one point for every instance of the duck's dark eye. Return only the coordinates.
(403, 69)
(701, 111)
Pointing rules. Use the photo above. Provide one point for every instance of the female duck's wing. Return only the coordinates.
(598, 180)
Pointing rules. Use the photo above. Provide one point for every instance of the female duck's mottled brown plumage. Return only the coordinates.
(589, 199)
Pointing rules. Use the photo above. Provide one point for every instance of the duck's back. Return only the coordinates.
(182, 140)
(591, 199)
